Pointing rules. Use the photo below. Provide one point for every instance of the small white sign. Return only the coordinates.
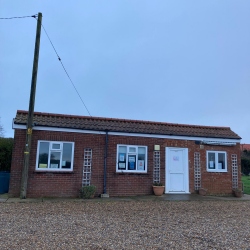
(122, 165)
(211, 164)
(53, 165)
(176, 158)
(140, 164)
(131, 159)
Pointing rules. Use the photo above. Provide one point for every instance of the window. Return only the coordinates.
(131, 159)
(216, 161)
(55, 156)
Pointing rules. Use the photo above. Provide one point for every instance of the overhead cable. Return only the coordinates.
(60, 60)
(35, 16)
(18, 17)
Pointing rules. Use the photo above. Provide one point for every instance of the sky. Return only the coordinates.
(177, 61)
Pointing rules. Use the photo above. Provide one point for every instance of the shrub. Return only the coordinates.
(245, 165)
(157, 184)
(87, 192)
(6, 145)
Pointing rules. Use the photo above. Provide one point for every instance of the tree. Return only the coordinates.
(245, 162)
(1, 129)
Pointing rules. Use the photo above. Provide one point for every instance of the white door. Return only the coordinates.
(176, 170)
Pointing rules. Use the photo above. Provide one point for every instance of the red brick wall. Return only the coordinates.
(54, 184)
(220, 183)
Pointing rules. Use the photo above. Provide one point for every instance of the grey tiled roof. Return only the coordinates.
(124, 125)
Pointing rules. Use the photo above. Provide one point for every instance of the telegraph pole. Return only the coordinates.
(25, 171)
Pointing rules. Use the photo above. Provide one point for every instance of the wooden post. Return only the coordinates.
(25, 171)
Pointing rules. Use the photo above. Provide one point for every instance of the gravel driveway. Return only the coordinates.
(125, 225)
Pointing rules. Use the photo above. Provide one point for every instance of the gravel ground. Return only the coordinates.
(125, 225)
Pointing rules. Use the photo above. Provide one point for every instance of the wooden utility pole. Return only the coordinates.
(25, 171)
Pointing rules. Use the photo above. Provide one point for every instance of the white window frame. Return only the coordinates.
(216, 161)
(60, 169)
(126, 170)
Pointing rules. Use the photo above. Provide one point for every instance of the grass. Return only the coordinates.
(246, 184)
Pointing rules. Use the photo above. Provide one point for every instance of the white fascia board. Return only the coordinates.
(175, 137)
(16, 126)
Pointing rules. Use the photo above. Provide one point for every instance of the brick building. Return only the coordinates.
(245, 147)
(123, 157)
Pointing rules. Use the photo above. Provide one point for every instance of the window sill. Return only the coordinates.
(130, 173)
(217, 171)
(52, 172)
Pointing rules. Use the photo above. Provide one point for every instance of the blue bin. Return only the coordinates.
(4, 182)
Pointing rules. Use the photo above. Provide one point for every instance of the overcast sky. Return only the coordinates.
(173, 61)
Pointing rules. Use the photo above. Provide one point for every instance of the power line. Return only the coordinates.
(60, 60)
(34, 16)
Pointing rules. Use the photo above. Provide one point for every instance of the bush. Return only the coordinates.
(87, 192)
(158, 184)
(6, 146)
(245, 162)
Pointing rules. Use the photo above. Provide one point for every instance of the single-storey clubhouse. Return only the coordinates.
(123, 157)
